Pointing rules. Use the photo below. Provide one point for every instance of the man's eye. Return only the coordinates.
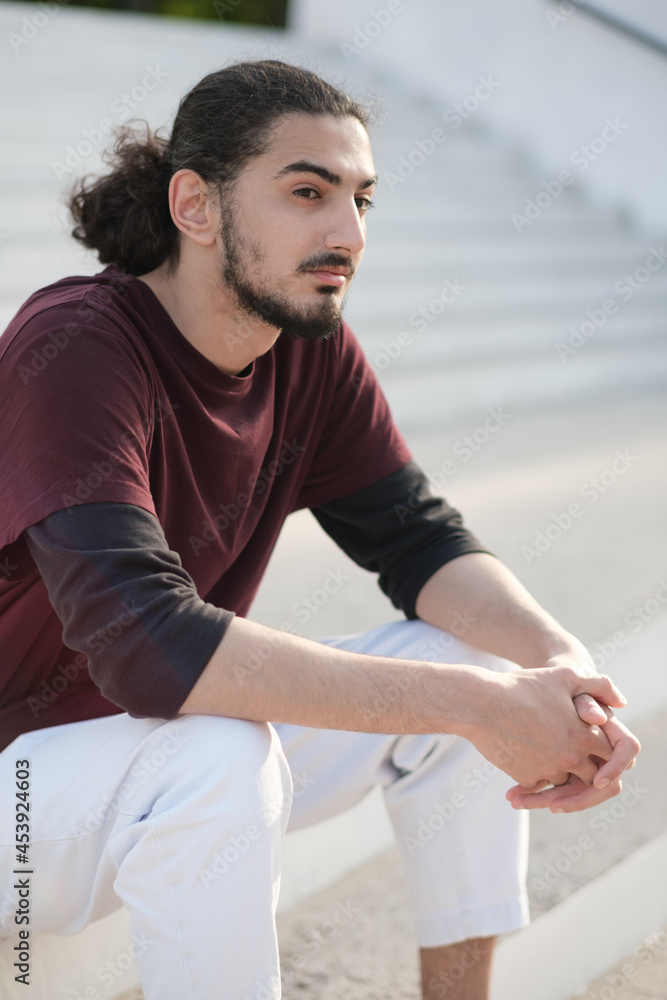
(310, 194)
(363, 204)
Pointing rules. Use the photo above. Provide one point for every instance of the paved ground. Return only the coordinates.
(641, 975)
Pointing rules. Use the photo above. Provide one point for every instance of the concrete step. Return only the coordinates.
(499, 231)
(422, 244)
(505, 258)
(640, 975)
(503, 304)
(445, 346)
(431, 397)
(534, 284)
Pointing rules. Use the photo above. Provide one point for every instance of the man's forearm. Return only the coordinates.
(478, 599)
(263, 675)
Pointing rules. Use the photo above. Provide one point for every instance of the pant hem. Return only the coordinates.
(484, 921)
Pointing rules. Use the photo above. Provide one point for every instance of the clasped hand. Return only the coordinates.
(568, 792)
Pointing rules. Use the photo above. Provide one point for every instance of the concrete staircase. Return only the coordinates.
(450, 220)
(519, 294)
(495, 302)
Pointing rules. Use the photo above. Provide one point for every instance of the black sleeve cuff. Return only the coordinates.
(398, 529)
(127, 603)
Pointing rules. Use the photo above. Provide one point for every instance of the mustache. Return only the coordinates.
(322, 261)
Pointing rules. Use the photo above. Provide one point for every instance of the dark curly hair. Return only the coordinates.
(223, 122)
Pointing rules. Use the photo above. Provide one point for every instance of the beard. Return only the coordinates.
(293, 319)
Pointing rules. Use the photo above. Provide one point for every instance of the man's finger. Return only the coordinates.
(542, 799)
(598, 750)
(603, 689)
(573, 797)
(589, 710)
(584, 798)
(518, 790)
(626, 747)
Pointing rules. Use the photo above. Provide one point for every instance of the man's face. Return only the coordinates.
(293, 227)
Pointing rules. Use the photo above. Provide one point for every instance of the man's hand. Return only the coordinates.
(573, 795)
(535, 716)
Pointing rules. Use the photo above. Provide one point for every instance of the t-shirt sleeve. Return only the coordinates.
(397, 529)
(76, 428)
(125, 601)
(359, 443)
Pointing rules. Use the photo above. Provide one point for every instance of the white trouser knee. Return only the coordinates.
(183, 822)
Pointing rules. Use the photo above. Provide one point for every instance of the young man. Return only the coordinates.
(158, 423)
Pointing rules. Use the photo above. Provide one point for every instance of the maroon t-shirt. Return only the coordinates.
(102, 399)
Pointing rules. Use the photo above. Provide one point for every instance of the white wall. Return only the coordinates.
(560, 77)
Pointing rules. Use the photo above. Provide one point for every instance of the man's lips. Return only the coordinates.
(331, 276)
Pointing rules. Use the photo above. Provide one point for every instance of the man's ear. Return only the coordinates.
(192, 207)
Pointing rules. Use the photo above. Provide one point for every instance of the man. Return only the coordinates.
(158, 423)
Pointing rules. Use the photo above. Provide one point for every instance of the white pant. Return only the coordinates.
(182, 822)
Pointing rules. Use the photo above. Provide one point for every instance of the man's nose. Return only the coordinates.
(347, 233)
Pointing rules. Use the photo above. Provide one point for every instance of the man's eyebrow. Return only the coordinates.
(306, 167)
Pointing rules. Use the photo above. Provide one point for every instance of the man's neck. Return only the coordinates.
(209, 318)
